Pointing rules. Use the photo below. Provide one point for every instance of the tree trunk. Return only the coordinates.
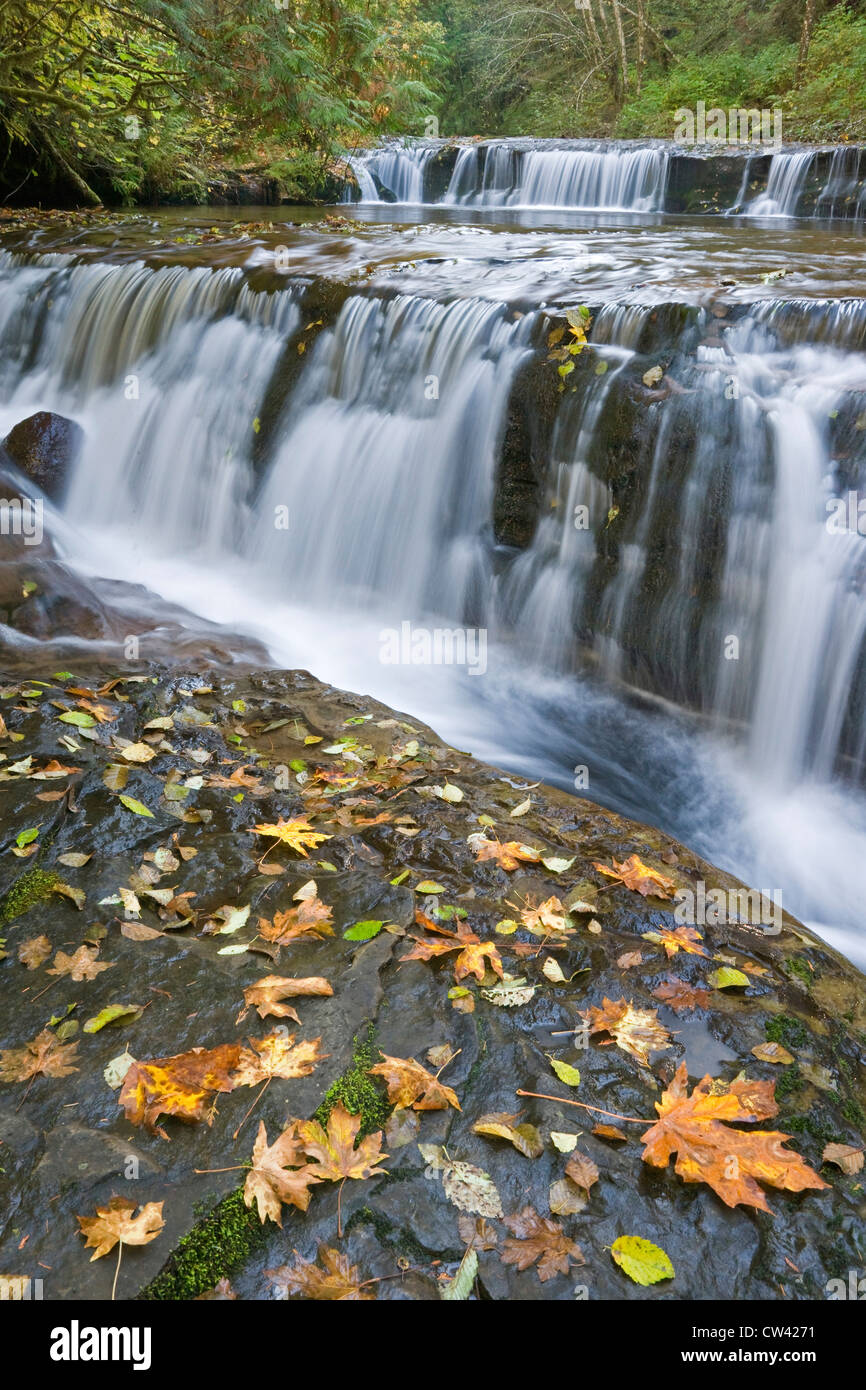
(620, 33)
(806, 35)
(640, 44)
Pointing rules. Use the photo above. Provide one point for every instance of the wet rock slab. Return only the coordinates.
(365, 777)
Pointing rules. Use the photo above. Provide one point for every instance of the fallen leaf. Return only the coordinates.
(279, 1174)
(34, 952)
(184, 1085)
(476, 1232)
(44, 1056)
(311, 917)
(582, 1171)
(277, 1055)
(728, 978)
(299, 835)
(266, 996)
(565, 1199)
(549, 917)
(643, 1262)
(112, 1013)
(772, 1052)
(628, 959)
(410, 1085)
(115, 1222)
(608, 1132)
(637, 1031)
(538, 1239)
(729, 1160)
(469, 1188)
(458, 1289)
(336, 1281)
(508, 856)
(525, 1138)
(83, 965)
(845, 1156)
(563, 1142)
(565, 1071)
(639, 877)
(680, 996)
(679, 939)
(335, 1149)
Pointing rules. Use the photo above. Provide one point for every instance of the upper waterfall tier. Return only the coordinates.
(622, 175)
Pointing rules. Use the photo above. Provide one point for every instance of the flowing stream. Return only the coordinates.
(698, 647)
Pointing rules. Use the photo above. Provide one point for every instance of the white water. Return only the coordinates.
(497, 174)
(385, 457)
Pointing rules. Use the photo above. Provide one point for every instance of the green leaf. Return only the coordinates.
(239, 707)
(427, 885)
(460, 1287)
(642, 1261)
(78, 717)
(570, 1075)
(63, 676)
(401, 878)
(728, 978)
(137, 806)
(363, 931)
(112, 1013)
(26, 837)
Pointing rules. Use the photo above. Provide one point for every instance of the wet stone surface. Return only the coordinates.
(365, 777)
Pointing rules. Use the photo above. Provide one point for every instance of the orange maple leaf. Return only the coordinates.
(299, 835)
(508, 856)
(115, 1222)
(409, 1084)
(730, 1161)
(639, 877)
(677, 939)
(637, 1031)
(311, 917)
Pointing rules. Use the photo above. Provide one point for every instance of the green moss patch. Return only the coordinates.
(32, 887)
(356, 1091)
(224, 1240)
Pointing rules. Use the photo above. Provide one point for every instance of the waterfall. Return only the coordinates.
(383, 444)
(784, 189)
(502, 173)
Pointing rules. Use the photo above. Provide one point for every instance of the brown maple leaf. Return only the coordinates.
(525, 1138)
(639, 877)
(115, 1222)
(637, 1031)
(277, 1055)
(44, 1056)
(311, 917)
(730, 1161)
(184, 1086)
(335, 1281)
(299, 835)
(335, 1151)
(680, 996)
(539, 1239)
(274, 1177)
(476, 1232)
(508, 856)
(409, 1084)
(34, 952)
(266, 996)
(83, 965)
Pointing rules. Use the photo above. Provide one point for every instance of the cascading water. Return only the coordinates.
(500, 173)
(784, 185)
(384, 456)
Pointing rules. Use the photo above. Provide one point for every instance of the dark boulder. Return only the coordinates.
(46, 447)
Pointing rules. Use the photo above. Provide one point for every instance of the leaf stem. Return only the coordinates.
(562, 1100)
